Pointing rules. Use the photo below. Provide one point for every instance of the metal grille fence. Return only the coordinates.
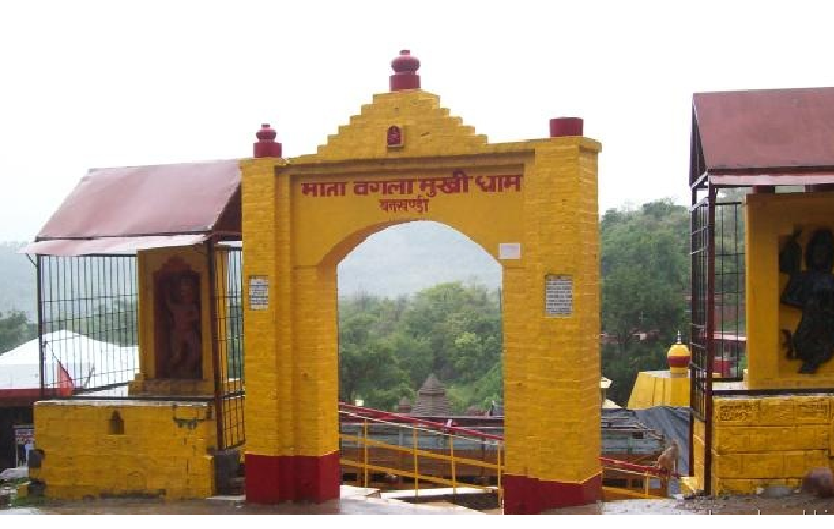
(87, 322)
(700, 242)
(718, 297)
(88, 330)
(718, 324)
(228, 288)
(730, 321)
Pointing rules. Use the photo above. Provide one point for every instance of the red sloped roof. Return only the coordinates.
(174, 199)
(777, 132)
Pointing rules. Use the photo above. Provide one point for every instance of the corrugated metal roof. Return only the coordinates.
(175, 199)
(777, 133)
(109, 245)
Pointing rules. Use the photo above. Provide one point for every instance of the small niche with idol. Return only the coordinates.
(175, 335)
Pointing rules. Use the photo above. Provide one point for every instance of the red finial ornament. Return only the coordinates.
(266, 146)
(405, 72)
(561, 127)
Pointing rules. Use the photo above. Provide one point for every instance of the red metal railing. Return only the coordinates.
(371, 413)
(363, 412)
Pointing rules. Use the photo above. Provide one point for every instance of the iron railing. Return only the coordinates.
(373, 442)
(87, 322)
(377, 445)
(718, 325)
(228, 338)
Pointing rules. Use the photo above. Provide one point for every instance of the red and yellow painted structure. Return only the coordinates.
(664, 388)
(532, 205)
(763, 434)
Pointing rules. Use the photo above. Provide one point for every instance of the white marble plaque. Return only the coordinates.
(258, 293)
(509, 250)
(558, 295)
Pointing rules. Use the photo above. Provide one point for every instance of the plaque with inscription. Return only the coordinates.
(558, 295)
(509, 250)
(258, 293)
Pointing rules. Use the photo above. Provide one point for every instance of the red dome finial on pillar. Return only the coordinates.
(266, 146)
(560, 127)
(405, 72)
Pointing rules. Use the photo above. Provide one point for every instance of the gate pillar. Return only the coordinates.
(551, 336)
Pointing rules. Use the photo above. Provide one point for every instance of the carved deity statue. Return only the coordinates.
(185, 348)
(812, 291)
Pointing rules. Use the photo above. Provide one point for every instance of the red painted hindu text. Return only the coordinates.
(419, 204)
(427, 188)
(323, 189)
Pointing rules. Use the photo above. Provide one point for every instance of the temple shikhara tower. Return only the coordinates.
(532, 205)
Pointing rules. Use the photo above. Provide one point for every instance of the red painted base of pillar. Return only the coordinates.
(276, 479)
(525, 495)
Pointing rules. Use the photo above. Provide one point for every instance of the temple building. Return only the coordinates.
(766, 246)
(404, 406)
(664, 388)
(162, 263)
(431, 400)
(145, 263)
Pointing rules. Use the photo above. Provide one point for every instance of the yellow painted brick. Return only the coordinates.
(770, 438)
(296, 242)
(736, 411)
(798, 463)
(143, 460)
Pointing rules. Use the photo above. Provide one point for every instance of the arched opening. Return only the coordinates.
(420, 334)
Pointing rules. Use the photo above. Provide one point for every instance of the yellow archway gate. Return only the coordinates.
(532, 205)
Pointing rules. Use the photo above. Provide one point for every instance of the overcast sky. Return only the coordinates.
(101, 84)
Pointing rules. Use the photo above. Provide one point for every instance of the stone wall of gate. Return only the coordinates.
(532, 205)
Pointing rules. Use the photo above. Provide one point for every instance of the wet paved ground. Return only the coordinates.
(353, 504)
(791, 504)
(794, 504)
(627, 507)
(345, 506)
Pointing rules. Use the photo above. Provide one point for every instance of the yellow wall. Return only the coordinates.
(657, 388)
(766, 441)
(164, 450)
(551, 364)
(771, 218)
(698, 442)
(149, 262)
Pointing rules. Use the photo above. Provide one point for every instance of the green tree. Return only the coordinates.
(388, 347)
(113, 322)
(645, 282)
(15, 329)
